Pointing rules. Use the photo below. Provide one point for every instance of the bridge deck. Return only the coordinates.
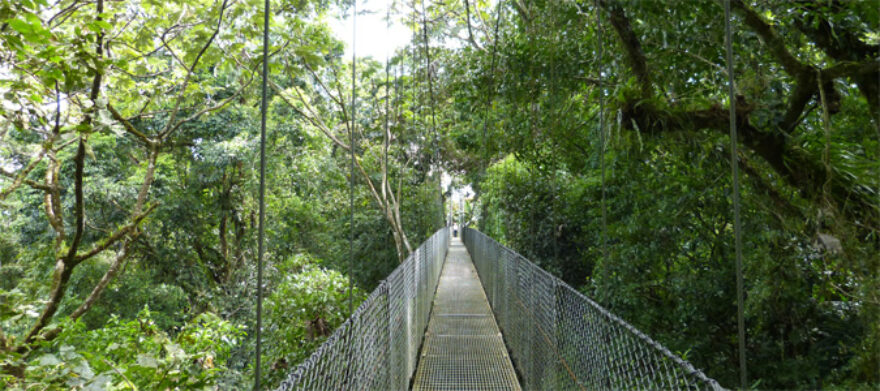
(463, 347)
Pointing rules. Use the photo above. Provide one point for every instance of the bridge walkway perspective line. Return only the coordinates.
(436, 323)
(463, 347)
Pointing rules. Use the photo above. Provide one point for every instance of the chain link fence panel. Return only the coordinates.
(561, 340)
(377, 347)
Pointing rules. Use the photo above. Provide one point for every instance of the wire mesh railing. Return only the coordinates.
(561, 340)
(377, 347)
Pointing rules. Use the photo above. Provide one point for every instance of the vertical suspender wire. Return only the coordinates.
(737, 228)
(826, 125)
(261, 235)
(491, 95)
(602, 141)
(875, 116)
(385, 135)
(416, 85)
(351, 130)
(431, 101)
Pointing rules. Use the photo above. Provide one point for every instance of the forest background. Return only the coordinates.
(129, 144)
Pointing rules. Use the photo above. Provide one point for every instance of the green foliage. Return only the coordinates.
(306, 305)
(168, 303)
(130, 355)
(543, 214)
(810, 206)
(670, 242)
(173, 129)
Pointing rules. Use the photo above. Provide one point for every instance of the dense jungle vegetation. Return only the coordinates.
(129, 167)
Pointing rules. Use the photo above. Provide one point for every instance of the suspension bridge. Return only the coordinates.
(470, 314)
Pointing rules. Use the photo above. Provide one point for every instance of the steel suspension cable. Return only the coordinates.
(826, 154)
(431, 102)
(385, 135)
(428, 77)
(490, 98)
(412, 53)
(602, 140)
(261, 235)
(737, 228)
(351, 130)
(416, 85)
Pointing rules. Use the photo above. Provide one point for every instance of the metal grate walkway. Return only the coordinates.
(558, 338)
(463, 347)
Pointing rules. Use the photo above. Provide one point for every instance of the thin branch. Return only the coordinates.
(706, 61)
(774, 42)
(216, 107)
(133, 387)
(174, 54)
(21, 177)
(311, 116)
(52, 200)
(116, 236)
(337, 99)
(128, 232)
(64, 13)
(29, 182)
(851, 69)
(127, 125)
(170, 126)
